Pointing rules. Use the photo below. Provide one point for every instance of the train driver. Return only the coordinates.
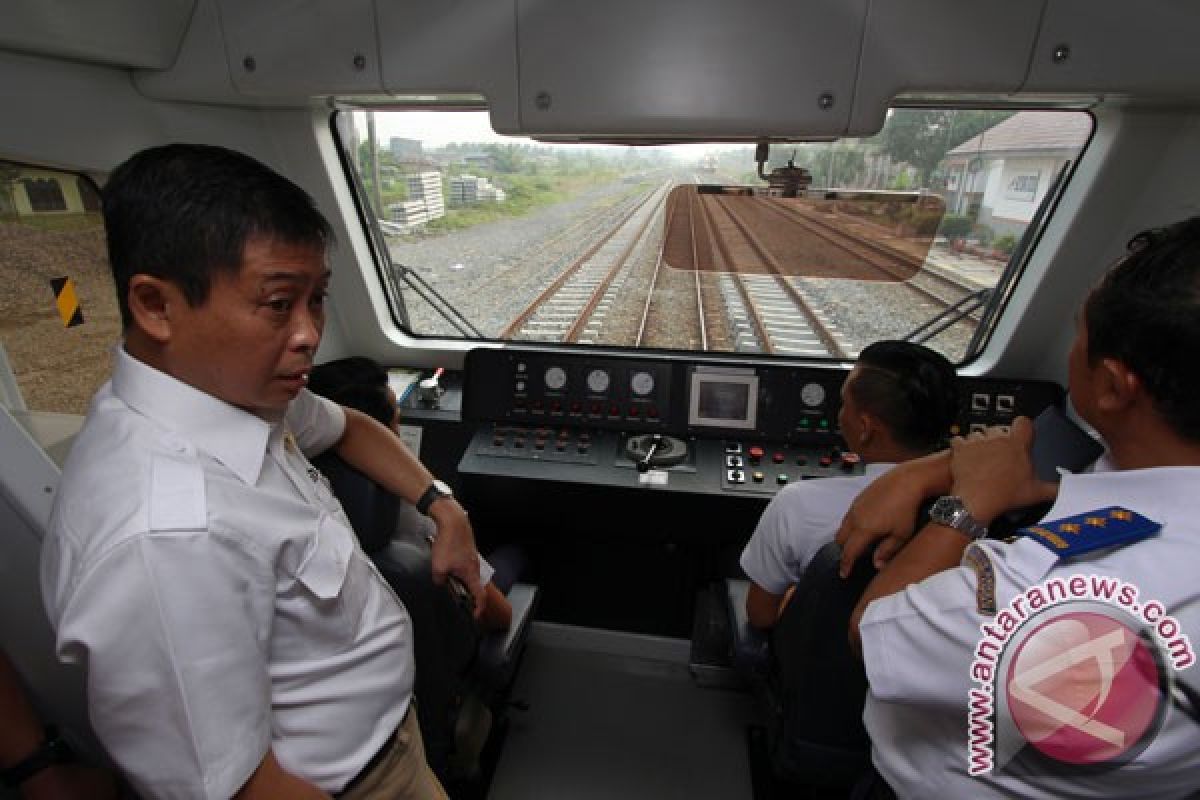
(898, 403)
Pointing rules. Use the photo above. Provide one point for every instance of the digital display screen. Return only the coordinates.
(729, 401)
(723, 398)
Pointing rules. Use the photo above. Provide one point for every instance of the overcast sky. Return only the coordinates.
(439, 128)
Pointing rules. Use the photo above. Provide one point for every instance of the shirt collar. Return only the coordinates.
(1155, 492)
(236, 438)
(876, 468)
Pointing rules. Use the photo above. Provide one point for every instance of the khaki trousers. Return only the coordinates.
(402, 773)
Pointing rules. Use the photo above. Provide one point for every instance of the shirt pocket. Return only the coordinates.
(332, 588)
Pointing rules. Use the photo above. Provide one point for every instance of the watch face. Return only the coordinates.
(944, 509)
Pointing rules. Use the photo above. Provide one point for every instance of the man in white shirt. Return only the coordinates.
(898, 403)
(921, 622)
(236, 639)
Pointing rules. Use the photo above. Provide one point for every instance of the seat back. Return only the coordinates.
(821, 684)
(371, 509)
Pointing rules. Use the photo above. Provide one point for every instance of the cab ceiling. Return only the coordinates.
(640, 69)
(144, 34)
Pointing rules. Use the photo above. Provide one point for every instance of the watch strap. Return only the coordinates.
(432, 493)
(951, 512)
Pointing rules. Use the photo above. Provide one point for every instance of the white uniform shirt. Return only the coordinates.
(799, 521)
(216, 594)
(918, 647)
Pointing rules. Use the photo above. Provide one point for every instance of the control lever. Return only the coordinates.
(655, 442)
(429, 391)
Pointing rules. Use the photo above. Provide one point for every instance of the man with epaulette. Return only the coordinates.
(1058, 663)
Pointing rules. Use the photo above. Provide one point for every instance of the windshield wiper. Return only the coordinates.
(433, 297)
(959, 310)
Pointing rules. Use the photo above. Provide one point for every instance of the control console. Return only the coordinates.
(680, 424)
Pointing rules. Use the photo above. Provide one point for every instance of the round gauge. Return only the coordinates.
(812, 394)
(597, 381)
(642, 383)
(556, 378)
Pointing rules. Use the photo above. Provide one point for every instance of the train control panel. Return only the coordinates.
(680, 424)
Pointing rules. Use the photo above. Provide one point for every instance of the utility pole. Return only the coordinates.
(373, 148)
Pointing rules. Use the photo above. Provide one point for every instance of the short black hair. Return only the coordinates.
(356, 382)
(333, 376)
(1146, 314)
(184, 212)
(912, 389)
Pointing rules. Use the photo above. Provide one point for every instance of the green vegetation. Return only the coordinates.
(531, 176)
(922, 138)
(89, 220)
(1006, 243)
(956, 226)
(525, 193)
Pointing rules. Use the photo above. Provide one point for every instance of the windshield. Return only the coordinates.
(808, 249)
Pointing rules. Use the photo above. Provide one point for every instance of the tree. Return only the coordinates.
(9, 175)
(922, 138)
(506, 157)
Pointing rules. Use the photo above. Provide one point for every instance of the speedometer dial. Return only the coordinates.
(642, 383)
(597, 381)
(555, 378)
(812, 394)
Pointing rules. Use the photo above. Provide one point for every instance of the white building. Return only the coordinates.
(1001, 176)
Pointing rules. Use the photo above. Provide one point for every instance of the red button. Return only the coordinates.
(755, 452)
(777, 458)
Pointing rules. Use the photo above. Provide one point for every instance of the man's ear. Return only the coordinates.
(151, 300)
(1117, 385)
(868, 429)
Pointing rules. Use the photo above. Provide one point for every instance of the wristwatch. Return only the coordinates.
(53, 750)
(436, 489)
(950, 511)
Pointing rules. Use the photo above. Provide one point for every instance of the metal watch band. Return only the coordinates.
(951, 512)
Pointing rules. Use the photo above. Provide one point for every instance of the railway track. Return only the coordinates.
(675, 313)
(574, 306)
(769, 313)
(738, 295)
(893, 264)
